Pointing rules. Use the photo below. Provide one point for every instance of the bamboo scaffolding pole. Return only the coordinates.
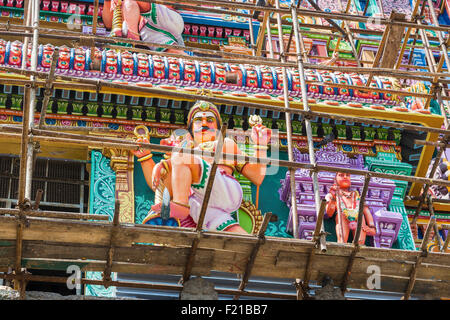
(441, 149)
(312, 156)
(53, 214)
(424, 253)
(444, 57)
(356, 244)
(209, 185)
(94, 26)
(38, 198)
(262, 31)
(330, 21)
(26, 22)
(349, 35)
(112, 243)
(414, 17)
(291, 33)
(253, 254)
(23, 201)
(288, 117)
(319, 238)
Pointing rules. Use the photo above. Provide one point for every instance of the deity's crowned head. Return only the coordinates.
(204, 121)
(343, 180)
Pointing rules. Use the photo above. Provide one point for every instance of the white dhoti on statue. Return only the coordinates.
(160, 25)
(226, 198)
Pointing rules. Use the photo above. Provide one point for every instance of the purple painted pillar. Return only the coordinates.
(378, 197)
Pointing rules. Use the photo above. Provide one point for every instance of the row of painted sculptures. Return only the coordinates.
(148, 66)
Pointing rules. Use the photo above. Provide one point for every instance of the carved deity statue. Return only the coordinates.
(186, 175)
(345, 203)
(144, 21)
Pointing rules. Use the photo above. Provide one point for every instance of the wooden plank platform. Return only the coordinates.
(55, 244)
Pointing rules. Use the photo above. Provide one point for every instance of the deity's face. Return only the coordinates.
(343, 180)
(204, 126)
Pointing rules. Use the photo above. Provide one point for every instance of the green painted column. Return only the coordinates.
(101, 201)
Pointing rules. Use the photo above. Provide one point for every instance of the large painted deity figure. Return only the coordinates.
(186, 175)
(345, 203)
(144, 21)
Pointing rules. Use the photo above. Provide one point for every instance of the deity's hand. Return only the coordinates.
(370, 230)
(159, 172)
(331, 196)
(261, 135)
(141, 152)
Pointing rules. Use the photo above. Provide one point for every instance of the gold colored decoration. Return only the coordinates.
(122, 163)
(255, 215)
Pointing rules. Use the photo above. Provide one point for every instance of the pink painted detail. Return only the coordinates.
(247, 35)
(46, 5)
(143, 65)
(187, 29)
(19, 3)
(64, 6)
(360, 93)
(29, 55)
(363, 149)
(161, 131)
(193, 39)
(228, 32)
(327, 78)
(47, 53)
(90, 11)
(279, 79)
(215, 41)
(3, 117)
(174, 69)
(9, 3)
(5, 13)
(111, 62)
(252, 80)
(72, 8)
(267, 78)
(158, 68)
(236, 32)
(80, 59)
(67, 123)
(64, 58)
(2, 51)
(343, 80)
(195, 30)
(205, 72)
(203, 31)
(220, 73)
(100, 10)
(211, 31)
(127, 63)
(99, 125)
(189, 71)
(54, 19)
(296, 82)
(219, 32)
(82, 8)
(15, 54)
